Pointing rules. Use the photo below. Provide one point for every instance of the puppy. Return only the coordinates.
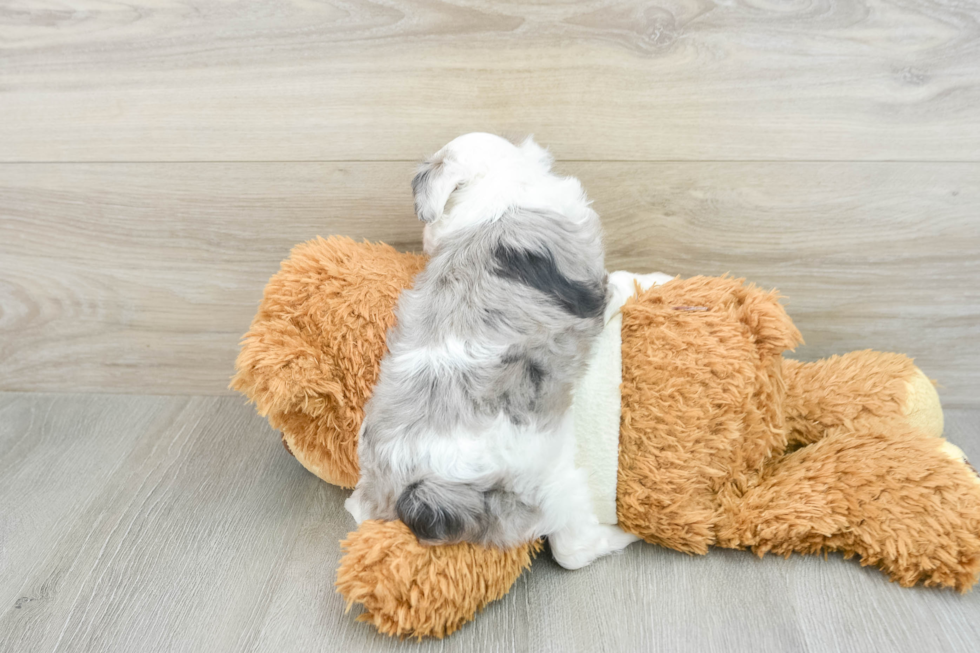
(468, 434)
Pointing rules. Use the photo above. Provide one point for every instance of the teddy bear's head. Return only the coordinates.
(313, 351)
(309, 362)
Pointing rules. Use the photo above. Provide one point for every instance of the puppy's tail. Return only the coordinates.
(437, 510)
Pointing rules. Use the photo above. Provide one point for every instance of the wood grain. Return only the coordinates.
(171, 549)
(55, 460)
(149, 80)
(142, 277)
(181, 524)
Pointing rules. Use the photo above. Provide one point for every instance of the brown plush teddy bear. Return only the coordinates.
(699, 432)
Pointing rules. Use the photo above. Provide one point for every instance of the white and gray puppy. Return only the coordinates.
(468, 434)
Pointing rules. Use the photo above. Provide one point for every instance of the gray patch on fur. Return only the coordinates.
(432, 515)
(517, 387)
(437, 511)
(539, 271)
(420, 181)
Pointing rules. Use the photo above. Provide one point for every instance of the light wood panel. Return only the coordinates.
(141, 278)
(181, 524)
(151, 80)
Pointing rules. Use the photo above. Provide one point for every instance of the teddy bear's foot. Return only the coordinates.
(898, 498)
(858, 391)
(922, 409)
(955, 453)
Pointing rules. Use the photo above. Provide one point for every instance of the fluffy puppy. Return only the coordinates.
(468, 434)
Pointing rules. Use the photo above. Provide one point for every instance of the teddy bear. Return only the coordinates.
(696, 431)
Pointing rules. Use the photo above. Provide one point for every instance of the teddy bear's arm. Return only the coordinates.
(412, 590)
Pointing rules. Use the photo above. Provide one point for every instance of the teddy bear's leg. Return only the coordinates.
(899, 498)
(856, 391)
(410, 589)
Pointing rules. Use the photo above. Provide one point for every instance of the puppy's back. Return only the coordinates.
(515, 306)
(499, 325)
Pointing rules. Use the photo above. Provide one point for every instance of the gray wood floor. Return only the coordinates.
(157, 523)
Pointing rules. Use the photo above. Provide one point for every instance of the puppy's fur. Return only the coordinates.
(468, 435)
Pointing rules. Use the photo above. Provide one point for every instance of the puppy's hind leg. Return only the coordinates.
(581, 538)
(356, 507)
(580, 543)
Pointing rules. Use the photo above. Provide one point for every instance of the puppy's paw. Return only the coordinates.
(574, 548)
(616, 538)
(354, 507)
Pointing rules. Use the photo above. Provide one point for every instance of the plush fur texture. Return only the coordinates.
(870, 385)
(756, 451)
(724, 442)
(702, 402)
(409, 589)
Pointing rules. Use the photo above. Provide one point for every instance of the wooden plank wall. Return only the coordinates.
(158, 159)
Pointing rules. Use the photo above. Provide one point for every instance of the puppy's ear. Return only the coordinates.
(536, 154)
(432, 186)
(436, 510)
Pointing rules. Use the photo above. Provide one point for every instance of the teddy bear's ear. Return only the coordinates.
(432, 185)
(764, 314)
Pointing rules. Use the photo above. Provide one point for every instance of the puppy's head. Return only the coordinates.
(478, 164)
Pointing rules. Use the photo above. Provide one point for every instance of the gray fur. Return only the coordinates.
(420, 187)
(541, 306)
(538, 270)
(438, 510)
(431, 188)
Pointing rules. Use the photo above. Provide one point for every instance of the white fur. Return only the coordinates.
(450, 352)
(622, 286)
(483, 175)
